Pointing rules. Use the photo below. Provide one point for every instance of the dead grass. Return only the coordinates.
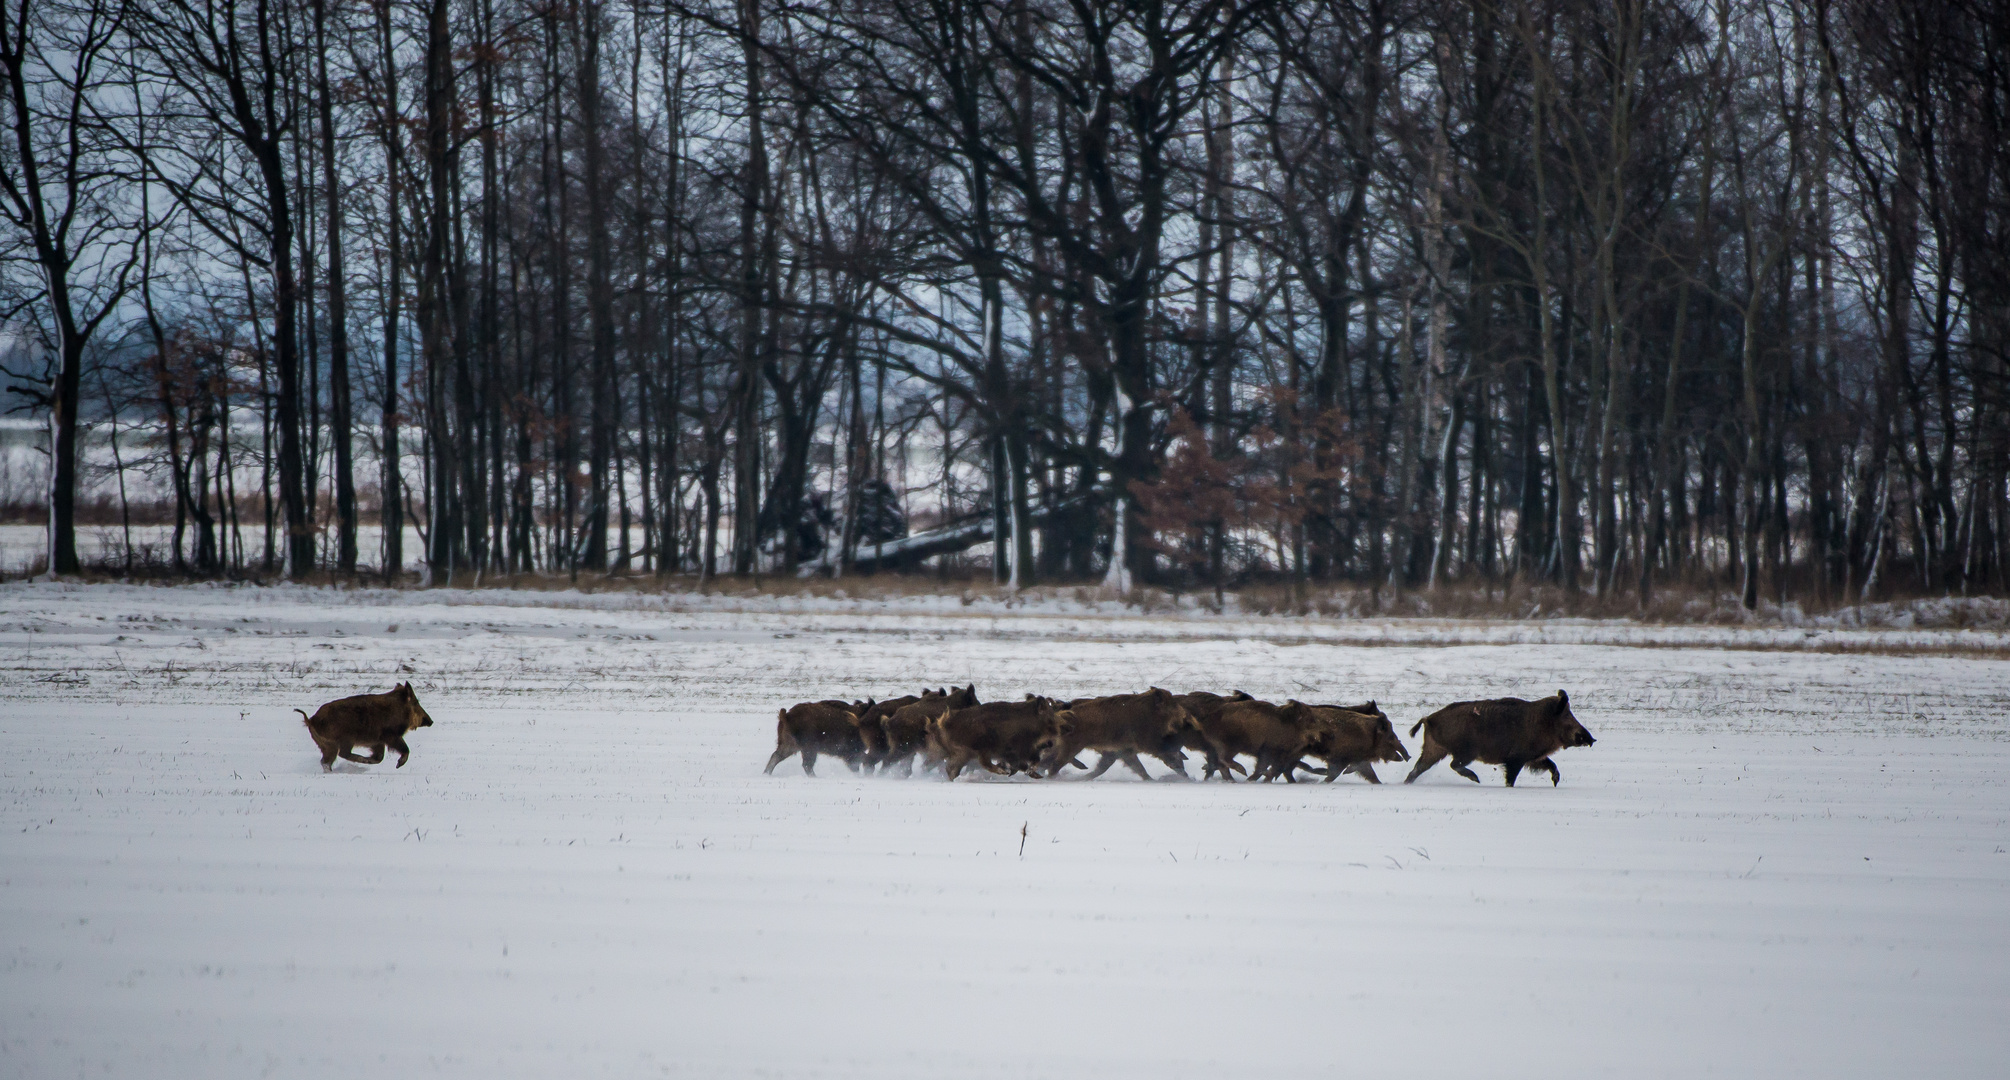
(1508, 601)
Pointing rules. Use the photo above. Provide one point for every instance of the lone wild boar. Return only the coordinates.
(1508, 732)
(372, 720)
(818, 727)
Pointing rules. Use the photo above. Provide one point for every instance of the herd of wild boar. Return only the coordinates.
(950, 730)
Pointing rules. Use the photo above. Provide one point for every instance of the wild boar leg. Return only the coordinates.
(1460, 768)
(376, 754)
(954, 765)
(809, 762)
(1363, 769)
(1430, 755)
(1329, 772)
(1130, 760)
(1555, 775)
(1513, 769)
(780, 755)
(398, 744)
(1104, 760)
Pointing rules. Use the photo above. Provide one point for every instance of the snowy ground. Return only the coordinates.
(1791, 859)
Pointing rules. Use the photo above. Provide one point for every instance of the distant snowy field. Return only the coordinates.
(1788, 855)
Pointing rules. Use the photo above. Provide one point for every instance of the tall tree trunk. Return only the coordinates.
(340, 418)
(599, 287)
(436, 329)
(747, 387)
(391, 513)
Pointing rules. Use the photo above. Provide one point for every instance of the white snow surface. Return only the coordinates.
(1787, 855)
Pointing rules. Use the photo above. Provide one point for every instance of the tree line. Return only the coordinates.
(1615, 296)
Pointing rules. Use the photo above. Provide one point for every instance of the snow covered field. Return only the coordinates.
(1788, 855)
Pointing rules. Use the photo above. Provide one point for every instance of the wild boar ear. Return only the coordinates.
(1563, 699)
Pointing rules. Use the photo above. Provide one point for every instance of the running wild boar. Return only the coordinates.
(1120, 727)
(1360, 736)
(870, 729)
(1002, 736)
(905, 730)
(819, 727)
(372, 720)
(1206, 710)
(1508, 732)
(1275, 735)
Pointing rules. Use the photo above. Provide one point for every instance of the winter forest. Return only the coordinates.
(1611, 297)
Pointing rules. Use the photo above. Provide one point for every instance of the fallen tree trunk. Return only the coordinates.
(911, 551)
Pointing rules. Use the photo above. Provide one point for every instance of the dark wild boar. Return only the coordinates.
(1206, 708)
(1002, 736)
(1275, 735)
(1508, 732)
(1360, 736)
(905, 730)
(818, 727)
(1120, 727)
(372, 720)
(871, 730)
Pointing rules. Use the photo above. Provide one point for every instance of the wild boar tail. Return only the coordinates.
(304, 718)
(1418, 724)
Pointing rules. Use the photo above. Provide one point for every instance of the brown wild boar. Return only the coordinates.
(870, 729)
(1205, 707)
(1361, 735)
(818, 727)
(905, 730)
(372, 720)
(1508, 732)
(1275, 735)
(1120, 727)
(1002, 736)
